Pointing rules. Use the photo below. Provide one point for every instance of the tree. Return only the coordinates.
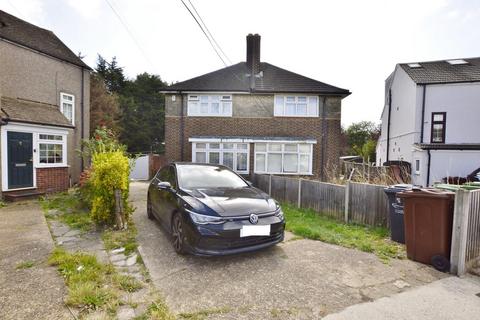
(112, 74)
(104, 106)
(361, 138)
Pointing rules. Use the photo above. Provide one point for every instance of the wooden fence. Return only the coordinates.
(466, 231)
(354, 202)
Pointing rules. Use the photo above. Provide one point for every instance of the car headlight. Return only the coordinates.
(279, 213)
(203, 219)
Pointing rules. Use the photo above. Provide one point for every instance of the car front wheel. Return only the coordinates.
(177, 234)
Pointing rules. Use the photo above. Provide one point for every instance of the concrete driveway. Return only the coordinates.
(297, 279)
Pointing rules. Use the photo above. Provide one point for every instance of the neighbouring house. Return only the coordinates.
(44, 109)
(431, 119)
(255, 117)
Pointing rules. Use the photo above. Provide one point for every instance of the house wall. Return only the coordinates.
(453, 163)
(34, 76)
(404, 129)
(253, 116)
(461, 102)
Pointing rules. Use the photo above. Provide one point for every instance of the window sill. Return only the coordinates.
(43, 166)
(285, 173)
(292, 116)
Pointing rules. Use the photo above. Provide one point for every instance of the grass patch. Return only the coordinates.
(157, 310)
(71, 211)
(89, 281)
(127, 283)
(2, 204)
(114, 239)
(203, 314)
(25, 265)
(309, 224)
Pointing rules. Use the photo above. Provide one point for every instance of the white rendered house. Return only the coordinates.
(431, 119)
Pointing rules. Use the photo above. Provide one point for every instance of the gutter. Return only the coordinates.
(388, 122)
(428, 167)
(423, 113)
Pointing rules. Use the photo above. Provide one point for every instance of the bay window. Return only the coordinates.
(232, 155)
(296, 106)
(209, 105)
(283, 158)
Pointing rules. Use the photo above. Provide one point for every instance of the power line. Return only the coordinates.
(130, 33)
(206, 35)
(16, 9)
(208, 31)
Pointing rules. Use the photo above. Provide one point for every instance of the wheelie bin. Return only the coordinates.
(428, 216)
(395, 205)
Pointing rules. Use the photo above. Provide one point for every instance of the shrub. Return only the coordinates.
(110, 172)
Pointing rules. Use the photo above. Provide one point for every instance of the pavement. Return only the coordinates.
(449, 298)
(34, 292)
(297, 279)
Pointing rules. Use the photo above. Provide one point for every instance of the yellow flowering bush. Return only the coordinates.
(110, 172)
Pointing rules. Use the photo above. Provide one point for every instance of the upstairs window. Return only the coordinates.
(439, 121)
(67, 106)
(210, 105)
(296, 106)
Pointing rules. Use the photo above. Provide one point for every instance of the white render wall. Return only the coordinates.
(453, 163)
(461, 102)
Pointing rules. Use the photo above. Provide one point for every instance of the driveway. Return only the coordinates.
(297, 279)
(34, 291)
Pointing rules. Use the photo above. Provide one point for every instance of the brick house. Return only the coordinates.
(44, 109)
(254, 117)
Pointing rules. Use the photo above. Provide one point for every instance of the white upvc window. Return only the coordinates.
(232, 155)
(283, 158)
(202, 105)
(52, 150)
(67, 106)
(296, 106)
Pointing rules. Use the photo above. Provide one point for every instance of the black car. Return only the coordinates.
(211, 210)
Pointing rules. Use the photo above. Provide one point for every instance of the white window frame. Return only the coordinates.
(222, 98)
(283, 152)
(415, 169)
(72, 102)
(280, 110)
(62, 142)
(221, 150)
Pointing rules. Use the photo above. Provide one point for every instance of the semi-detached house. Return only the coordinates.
(255, 118)
(44, 109)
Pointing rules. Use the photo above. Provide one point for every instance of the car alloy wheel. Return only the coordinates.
(177, 233)
(149, 208)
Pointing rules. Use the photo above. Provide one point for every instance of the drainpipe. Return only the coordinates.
(388, 121)
(324, 136)
(428, 167)
(182, 128)
(82, 128)
(423, 112)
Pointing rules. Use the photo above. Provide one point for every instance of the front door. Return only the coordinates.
(20, 160)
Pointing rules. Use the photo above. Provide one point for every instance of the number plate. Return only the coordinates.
(247, 231)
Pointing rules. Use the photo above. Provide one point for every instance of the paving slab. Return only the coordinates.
(31, 293)
(297, 279)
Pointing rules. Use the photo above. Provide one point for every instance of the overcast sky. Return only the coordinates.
(351, 44)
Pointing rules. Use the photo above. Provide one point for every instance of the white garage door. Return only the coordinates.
(139, 168)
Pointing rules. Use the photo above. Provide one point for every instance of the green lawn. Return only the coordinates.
(312, 225)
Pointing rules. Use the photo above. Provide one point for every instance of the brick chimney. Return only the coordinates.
(253, 53)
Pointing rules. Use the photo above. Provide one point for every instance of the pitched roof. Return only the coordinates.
(32, 112)
(442, 71)
(23, 33)
(272, 79)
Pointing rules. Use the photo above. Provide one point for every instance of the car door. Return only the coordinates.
(156, 195)
(169, 197)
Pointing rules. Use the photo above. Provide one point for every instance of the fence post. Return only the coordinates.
(347, 200)
(299, 198)
(270, 184)
(459, 232)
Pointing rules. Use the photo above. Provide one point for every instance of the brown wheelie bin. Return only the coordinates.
(428, 217)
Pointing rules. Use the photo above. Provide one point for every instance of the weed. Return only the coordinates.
(25, 265)
(89, 294)
(310, 224)
(203, 314)
(128, 283)
(114, 239)
(157, 310)
(2, 204)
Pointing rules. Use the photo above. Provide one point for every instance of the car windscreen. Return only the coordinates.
(196, 177)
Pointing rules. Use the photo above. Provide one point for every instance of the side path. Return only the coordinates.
(29, 288)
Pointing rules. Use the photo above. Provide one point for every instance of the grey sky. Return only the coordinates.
(348, 43)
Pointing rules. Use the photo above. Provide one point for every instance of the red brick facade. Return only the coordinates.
(261, 127)
(52, 179)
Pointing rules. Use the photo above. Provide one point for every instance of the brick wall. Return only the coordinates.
(52, 179)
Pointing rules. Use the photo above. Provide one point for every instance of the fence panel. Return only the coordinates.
(473, 233)
(326, 198)
(368, 204)
(261, 182)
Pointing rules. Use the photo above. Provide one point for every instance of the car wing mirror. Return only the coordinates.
(164, 185)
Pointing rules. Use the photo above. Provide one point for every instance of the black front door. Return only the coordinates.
(20, 160)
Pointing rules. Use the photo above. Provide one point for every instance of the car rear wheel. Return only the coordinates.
(149, 208)
(177, 234)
